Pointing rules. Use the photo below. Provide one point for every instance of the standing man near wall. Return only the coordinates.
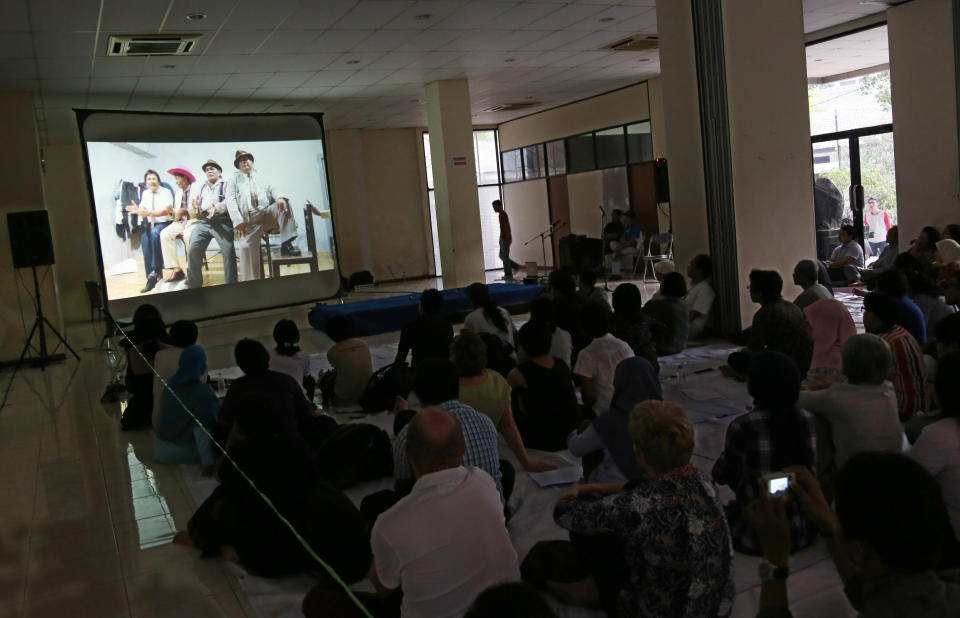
(505, 239)
(256, 208)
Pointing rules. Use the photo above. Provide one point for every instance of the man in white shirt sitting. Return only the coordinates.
(700, 293)
(846, 259)
(444, 543)
(155, 208)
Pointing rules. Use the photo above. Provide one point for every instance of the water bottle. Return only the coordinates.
(221, 387)
(681, 373)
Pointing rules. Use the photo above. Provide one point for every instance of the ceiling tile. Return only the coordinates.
(386, 40)
(372, 14)
(290, 79)
(131, 16)
(565, 17)
(13, 16)
(217, 106)
(553, 40)
(118, 67)
(60, 44)
(365, 78)
(272, 94)
(169, 65)
(328, 78)
(430, 40)
(472, 13)
(215, 10)
(596, 40)
(57, 86)
(63, 68)
(285, 62)
(12, 84)
(235, 94)
(307, 92)
(158, 85)
(184, 106)
(319, 15)
(619, 15)
(212, 64)
(246, 80)
(436, 9)
(395, 60)
(113, 85)
(404, 76)
(107, 101)
(236, 41)
(250, 107)
(435, 60)
(344, 91)
(16, 45)
(355, 60)
(519, 16)
(259, 15)
(288, 41)
(64, 16)
(336, 41)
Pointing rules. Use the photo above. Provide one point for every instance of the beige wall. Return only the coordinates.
(924, 115)
(589, 189)
(615, 108)
(23, 190)
(529, 214)
(770, 139)
(680, 138)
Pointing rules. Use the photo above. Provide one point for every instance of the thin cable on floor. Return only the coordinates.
(332, 573)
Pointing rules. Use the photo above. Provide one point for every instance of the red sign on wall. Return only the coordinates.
(459, 160)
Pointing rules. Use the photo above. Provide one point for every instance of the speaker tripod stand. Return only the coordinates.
(43, 357)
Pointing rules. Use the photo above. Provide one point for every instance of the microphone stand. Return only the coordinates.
(547, 233)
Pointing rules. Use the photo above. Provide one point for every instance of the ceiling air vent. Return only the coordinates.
(511, 107)
(151, 44)
(636, 42)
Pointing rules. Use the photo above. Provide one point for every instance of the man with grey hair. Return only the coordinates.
(446, 541)
(805, 275)
(860, 415)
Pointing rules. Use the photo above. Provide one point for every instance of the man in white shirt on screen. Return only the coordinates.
(256, 208)
(213, 224)
(155, 208)
(185, 215)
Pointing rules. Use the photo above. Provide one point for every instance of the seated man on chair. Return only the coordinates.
(632, 242)
(213, 224)
(846, 259)
(184, 219)
(256, 208)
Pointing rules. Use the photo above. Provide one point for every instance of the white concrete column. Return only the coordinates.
(455, 182)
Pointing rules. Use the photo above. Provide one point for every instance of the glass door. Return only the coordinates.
(854, 184)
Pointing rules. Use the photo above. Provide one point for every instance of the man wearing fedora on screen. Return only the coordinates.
(256, 208)
(185, 215)
(213, 224)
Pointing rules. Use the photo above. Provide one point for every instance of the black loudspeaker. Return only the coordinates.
(30, 241)
(580, 253)
(661, 181)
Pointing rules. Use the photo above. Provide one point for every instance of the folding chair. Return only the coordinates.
(664, 243)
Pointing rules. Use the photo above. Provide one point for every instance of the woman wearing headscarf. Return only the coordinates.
(634, 381)
(774, 435)
(188, 410)
(830, 326)
(948, 256)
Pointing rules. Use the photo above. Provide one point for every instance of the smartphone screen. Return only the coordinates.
(778, 485)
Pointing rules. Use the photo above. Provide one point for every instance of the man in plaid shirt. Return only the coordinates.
(440, 387)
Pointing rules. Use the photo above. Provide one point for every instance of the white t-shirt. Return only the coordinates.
(155, 201)
(699, 298)
(938, 450)
(477, 322)
(296, 366)
(444, 543)
(862, 417)
(599, 361)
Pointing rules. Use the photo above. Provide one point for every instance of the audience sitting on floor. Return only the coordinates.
(429, 336)
(544, 395)
(442, 545)
(589, 292)
(893, 283)
(938, 447)
(650, 548)
(141, 344)
(561, 345)
(631, 325)
(511, 600)
(948, 258)
(634, 382)
(859, 415)
(350, 360)
(886, 537)
(181, 334)
(438, 385)
(235, 521)
(846, 259)
(487, 392)
(928, 296)
(567, 306)
(700, 293)
(925, 245)
(908, 371)
(187, 414)
(884, 261)
(778, 326)
(487, 317)
(775, 434)
(288, 358)
(831, 325)
(288, 400)
(670, 315)
(598, 361)
(805, 275)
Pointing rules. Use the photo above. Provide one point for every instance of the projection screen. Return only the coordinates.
(206, 215)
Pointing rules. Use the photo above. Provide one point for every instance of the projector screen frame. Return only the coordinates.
(172, 303)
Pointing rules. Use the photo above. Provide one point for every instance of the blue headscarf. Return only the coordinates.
(192, 365)
(634, 381)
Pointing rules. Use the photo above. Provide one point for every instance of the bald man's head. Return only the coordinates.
(434, 441)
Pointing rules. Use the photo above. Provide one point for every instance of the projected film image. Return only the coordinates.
(173, 216)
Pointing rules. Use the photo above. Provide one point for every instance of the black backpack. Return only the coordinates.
(383, 387)
(354, 453)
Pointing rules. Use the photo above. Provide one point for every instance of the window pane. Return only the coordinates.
(639, 142)
(490, 227)
(485, 150)
(580, 153)
(427, 160)
(611, 148)
(512, 170)
(431, 195)
(556, 158)
(534, 163)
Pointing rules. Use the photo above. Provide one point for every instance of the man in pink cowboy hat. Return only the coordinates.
(185, 213)
(256, 208)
